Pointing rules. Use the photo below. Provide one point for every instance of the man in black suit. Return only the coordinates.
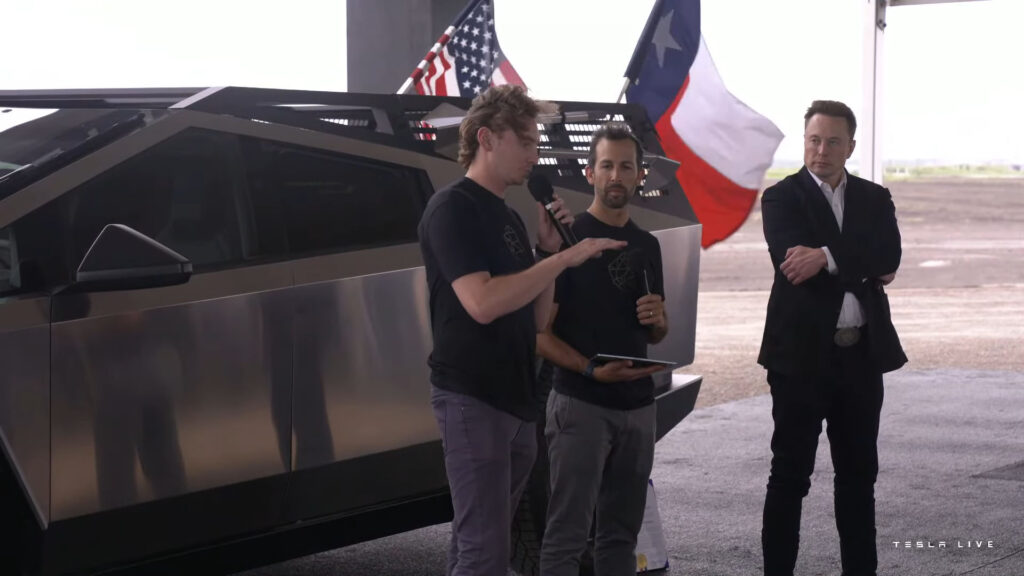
(828, 338)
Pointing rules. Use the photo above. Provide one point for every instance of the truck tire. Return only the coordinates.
(20, 536)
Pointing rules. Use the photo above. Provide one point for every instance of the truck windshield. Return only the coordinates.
(32, 138)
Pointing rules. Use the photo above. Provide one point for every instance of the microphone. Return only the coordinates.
(541, 190)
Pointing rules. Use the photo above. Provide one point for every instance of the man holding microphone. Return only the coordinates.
(487, 298)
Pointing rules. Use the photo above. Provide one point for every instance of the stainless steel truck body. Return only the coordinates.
(214, 323)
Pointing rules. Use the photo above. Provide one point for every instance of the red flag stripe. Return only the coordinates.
(417, 72)
(441, 86)
(510, 74)
(722, 204)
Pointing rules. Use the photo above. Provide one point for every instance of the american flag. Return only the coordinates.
(467, 58)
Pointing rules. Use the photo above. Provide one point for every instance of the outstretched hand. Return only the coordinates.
(589, 248)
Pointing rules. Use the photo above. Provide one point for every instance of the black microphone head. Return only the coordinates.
(541, 189)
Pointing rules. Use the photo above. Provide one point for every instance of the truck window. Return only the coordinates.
(30, 256)
(7, 261)
(182, 193)
(327, 202)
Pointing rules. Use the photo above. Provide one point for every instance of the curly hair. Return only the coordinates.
(500, 108)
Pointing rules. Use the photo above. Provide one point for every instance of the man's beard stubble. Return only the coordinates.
(615, 203)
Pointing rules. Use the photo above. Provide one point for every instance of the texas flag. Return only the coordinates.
(723, 147)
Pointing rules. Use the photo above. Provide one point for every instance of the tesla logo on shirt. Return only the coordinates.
(512, 241)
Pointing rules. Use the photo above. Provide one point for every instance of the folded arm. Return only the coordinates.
(879, 256)
(793, 246)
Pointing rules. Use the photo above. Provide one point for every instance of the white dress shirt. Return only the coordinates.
(852, 312)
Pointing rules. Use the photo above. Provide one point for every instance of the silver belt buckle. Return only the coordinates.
(846, 337)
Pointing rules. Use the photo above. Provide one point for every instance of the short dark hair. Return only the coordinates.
(614, 131)
(835, 109)
(499, 108)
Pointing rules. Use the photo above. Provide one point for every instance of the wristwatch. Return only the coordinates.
(589, 370)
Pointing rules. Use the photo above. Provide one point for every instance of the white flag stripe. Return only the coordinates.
(425, 79)
(438, 70)
(451, 81)
(497, 78)
(430, 80)
(736, 141)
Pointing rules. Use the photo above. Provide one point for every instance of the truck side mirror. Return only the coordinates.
(122, 258)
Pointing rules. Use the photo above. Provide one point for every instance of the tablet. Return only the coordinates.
(600, 359)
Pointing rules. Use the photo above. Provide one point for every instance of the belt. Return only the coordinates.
(846, 337)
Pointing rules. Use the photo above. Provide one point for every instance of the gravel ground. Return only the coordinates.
(958, 299)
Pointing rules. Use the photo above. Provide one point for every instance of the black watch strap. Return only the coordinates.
(589, 370)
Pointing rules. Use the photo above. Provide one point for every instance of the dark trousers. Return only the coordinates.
(600, 458)
(488, 455)
(849, 399)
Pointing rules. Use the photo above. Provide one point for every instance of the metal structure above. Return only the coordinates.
(872, 114)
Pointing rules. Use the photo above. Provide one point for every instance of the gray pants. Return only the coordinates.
(488, 455)
(599, 458)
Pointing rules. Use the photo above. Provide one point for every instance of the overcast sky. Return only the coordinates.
(952, 88)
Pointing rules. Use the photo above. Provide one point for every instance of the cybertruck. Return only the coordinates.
(214, 322)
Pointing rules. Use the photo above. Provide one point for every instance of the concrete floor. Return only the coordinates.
(943, 434)
(952, 435)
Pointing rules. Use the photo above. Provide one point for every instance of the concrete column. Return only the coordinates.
(870, 122)
(388, 38)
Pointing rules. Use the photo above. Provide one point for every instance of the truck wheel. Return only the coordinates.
(20, 537)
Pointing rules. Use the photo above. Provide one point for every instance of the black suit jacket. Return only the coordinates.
(801, 320)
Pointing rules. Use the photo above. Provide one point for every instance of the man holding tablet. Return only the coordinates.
(601, 413)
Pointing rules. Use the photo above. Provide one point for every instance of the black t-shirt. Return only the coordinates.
(597, 311)
(465, 229)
